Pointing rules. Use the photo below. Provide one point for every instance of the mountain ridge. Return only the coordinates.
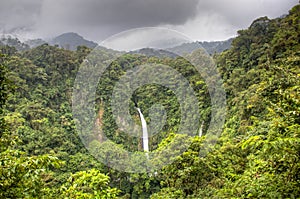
(71, 40)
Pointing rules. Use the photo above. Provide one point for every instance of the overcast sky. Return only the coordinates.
(99, 19)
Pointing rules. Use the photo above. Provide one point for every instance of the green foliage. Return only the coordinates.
(257, 155)
(22, 176)
(88, 184)
(148, 95)
(5, 88)
(168, 193)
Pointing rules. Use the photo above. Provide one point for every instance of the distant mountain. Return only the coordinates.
(216, 46)
(71, 41)
(150, 52)
(210, 47)
(35, 42)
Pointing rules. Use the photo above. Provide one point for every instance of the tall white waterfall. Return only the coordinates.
(201, 129)
(145, 131)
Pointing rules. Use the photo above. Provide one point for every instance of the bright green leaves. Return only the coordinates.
(88, 184)
(21, 176)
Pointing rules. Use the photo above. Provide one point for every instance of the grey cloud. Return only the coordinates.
(242, 12)
(112, 16)
(98, 19)
(18, 14)
(137, 12)
(221, 19)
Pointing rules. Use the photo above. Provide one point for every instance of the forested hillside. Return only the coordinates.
(210, 47)
(257, 155)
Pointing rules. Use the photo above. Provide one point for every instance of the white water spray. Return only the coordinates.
(201, 129)
(145, 131)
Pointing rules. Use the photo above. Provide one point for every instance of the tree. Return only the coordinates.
(88, 184)
(21, 176)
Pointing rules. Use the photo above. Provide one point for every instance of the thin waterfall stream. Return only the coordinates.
(145, 131)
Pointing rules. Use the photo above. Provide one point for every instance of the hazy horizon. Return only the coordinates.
(200, 20)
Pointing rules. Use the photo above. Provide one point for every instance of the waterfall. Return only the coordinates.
(145, 131)
(201, 129)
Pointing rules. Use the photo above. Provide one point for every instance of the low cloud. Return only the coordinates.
(99, 19)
